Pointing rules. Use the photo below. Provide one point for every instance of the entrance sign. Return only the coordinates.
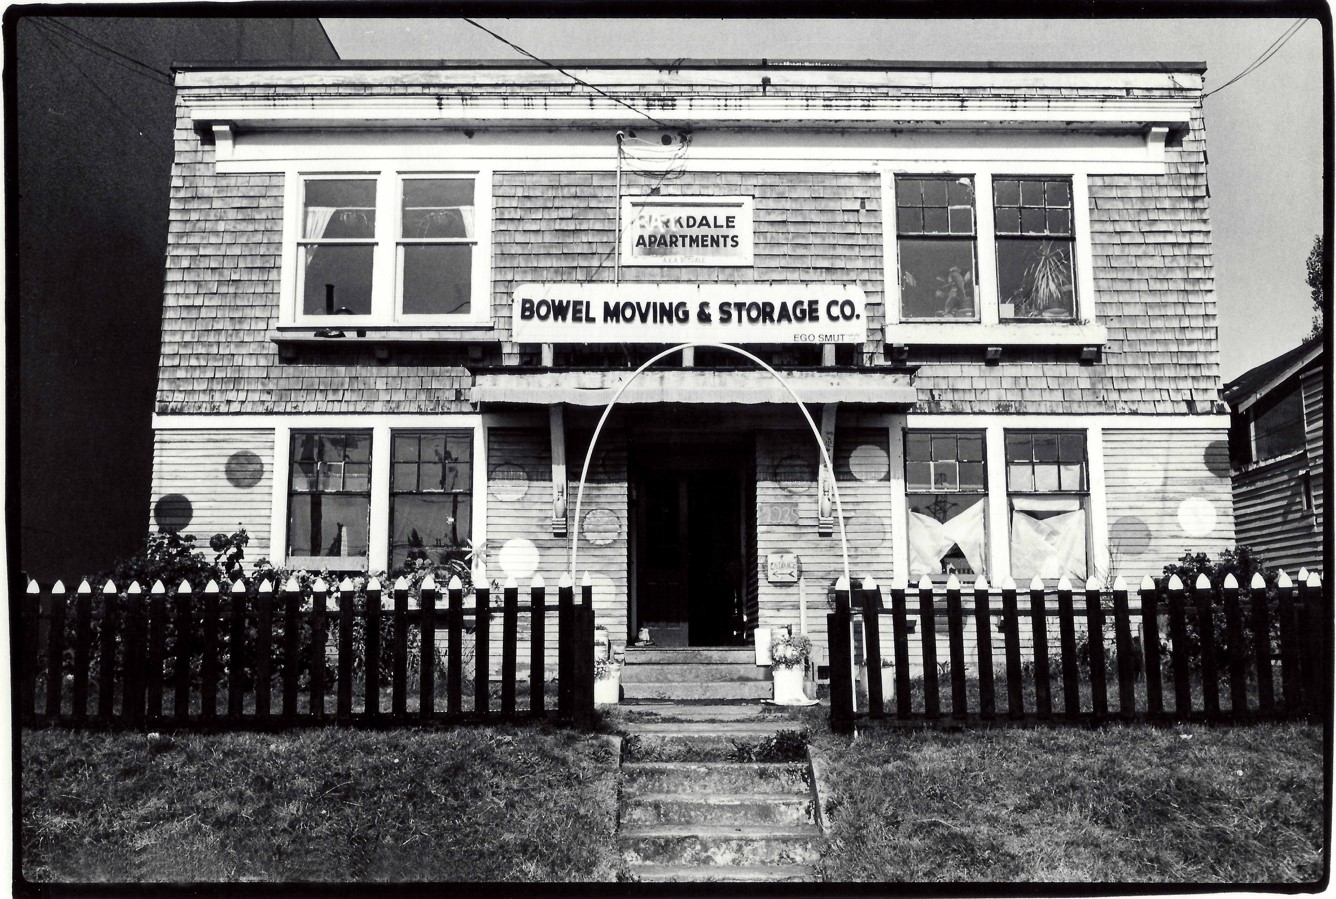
(686, 231)
(673, 313)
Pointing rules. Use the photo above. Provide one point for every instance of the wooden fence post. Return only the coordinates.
(482, 648)
(983, 633)
(1150, 646)
(209, 663)
(1071, 693)
(427, 652)
(183, 651)
(106, 688)
(1261, 631)
(955, 637)
(371, 664)
(1313, 645)
(264, 641)
(841, 660)
(343, 703)
(1238, 685)
(454, 648)
(29, 610)
(135, 638)
(1289, 644)
(871, 602)
(1125, 649)
(236, 655)
(900, 639)
(83, 638)
(584, 654)
(292, 598)
(157, 646)
(1011, 638)
(319, 609)
(509, 645)
(565, 603)
(1099, 674)
(1202, 596)
(399, 652)
(1043, 694)
(932, 707)
(537, 649)
(55, 649)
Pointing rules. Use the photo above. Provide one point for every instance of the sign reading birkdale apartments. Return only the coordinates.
(675, 313)
(686, 230)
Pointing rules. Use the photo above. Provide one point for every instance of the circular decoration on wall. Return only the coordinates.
(173, 512)
(601, 527)
(795, 474)
(605, 595)
(869, 462)
(243, 469)
(519, 558)
(508, 482)
(1217, 458)
(1131, 536)
(863, 532)
(1196, 516)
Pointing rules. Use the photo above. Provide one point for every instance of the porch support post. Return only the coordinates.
(826, 514)
(557, 421)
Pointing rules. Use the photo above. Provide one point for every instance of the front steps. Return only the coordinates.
(694, 674)
(688, 812)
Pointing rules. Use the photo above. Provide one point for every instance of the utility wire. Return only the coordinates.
(597, 90)
(1263, 58)
(101, 50)
(93, 81)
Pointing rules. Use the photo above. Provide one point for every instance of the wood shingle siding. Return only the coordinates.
(227, 478)
(1268, 500)
(1167, 492)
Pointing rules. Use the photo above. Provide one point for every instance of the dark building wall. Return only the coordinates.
(93, 114)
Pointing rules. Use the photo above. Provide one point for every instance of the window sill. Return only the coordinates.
(1001, 334)
(1272, 462)
(347, 332)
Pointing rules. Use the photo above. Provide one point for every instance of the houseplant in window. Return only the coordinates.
(1046, 285)
(789, 653)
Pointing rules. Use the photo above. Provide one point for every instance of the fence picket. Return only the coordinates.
(343, 703)
(83, 638)
(955, 639)
(1261, 630)
(1071, 693)
(565, 603)
(209, 663)
(319, 611)
(183, 651)
(1289, 643)
(1150, 646)
(871, 602)
(900, 641)
(482, 648)
(983, 632)
(928, 634)
(454, 663)
(1011, 638)
(236, 684)
(135, 639)
(371, 664)
(157, 627)
(1238, 687)
(292, 599)
(509, 641)
(29, 610)
(584, 659)
(1311, 646)
(1099, 675)
(399, 650)
(427, 652)
(1043, 696)
(264, 641)
(106, 688)
(55, 648)
(839, 623)
(537, 649)
(1178, 637)
(1125, 651)
(1202, 596)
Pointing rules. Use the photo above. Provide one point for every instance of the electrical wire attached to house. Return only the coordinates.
(1263, 58)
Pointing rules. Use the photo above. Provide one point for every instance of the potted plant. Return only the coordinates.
(788, 660)
(607, 682)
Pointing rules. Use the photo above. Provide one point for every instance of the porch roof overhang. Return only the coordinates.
(582, 387)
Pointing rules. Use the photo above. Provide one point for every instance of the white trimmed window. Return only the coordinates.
(329, 499)
(404, 248)
(946, 495)
(431, 496)
(1048, 486)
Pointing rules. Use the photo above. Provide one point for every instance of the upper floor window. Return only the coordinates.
(1278, 423)
(935, 233)
(402, 248)
(1033, 224)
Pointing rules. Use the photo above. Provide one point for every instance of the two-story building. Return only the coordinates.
(400, 297)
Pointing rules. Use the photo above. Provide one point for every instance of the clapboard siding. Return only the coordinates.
(1167, 492)
(786, 463)
(604, 530)
(1314, 390)
(194, 464)
(1268, 501)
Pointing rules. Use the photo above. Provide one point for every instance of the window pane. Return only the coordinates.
(405, 476)
(934, 193)
(1059, 221)
(434, 527)
(908, 192)
(437, 279)
(323, 525)
(947, 535)
(943, 446)
(336, 280)
(918, 475)
(960, 192)
(1045, 447)
(458, 476)
(460, 446)
(962, 220)
(433, 448)
(405, 448)
(1071, 447)
(937, 278)
(936, 221)
(1034, 278)
(908, 220)
(357, 447)
(1046, 478)
(339, 209)
(1006, 192)
(1278, 424)
(971, 476)
(1019, 478)
(1018, 448)
(433, 476)
(303, 476)
(1032, 193)
(1048, 544)
(945, 476)
(918, 447)
(1071, 477)
(1058, 193)
(438, 208)
(970, 448)
(1007, 221)
(1032, 221)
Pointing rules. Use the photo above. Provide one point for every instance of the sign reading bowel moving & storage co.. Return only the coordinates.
(678, 313)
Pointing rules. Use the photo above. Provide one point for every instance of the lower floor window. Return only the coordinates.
(1048, 487)
(946, 494)
(431, 498)
(329, 496)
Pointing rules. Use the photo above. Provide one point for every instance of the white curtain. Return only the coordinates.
(1049, 547)
(930, 540)
(317, 220)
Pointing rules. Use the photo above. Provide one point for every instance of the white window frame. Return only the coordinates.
(382, 428)
(989, 329)
(386, 276)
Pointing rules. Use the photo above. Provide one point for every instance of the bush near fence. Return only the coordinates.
(1157, 648)
(263, 654)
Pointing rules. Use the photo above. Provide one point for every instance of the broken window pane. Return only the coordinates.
(947, 535)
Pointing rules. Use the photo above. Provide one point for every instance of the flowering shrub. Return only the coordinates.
(605, 669)
(789, 650)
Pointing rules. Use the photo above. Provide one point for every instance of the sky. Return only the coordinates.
(1263, 133)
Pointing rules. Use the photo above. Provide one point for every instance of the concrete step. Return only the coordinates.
(718, 808)
(642, 672)
(664, 689)
(716, 845)
(715, 746)
(648, 873)
(685, 730)
(686, 655)
(697, 778)
(646, 711)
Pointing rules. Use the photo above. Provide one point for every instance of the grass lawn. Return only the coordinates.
(1118, 804)
(467, 804)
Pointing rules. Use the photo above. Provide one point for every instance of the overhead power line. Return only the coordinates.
(59, 29)
(1263, 58)
(597, 90)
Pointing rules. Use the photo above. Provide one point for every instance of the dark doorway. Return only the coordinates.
(688, 548)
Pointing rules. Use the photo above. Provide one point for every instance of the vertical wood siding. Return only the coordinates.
(1167, 492)
(195, 464)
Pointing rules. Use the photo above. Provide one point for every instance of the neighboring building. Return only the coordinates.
(399, 297)
(92, 113)
(1278, 458)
